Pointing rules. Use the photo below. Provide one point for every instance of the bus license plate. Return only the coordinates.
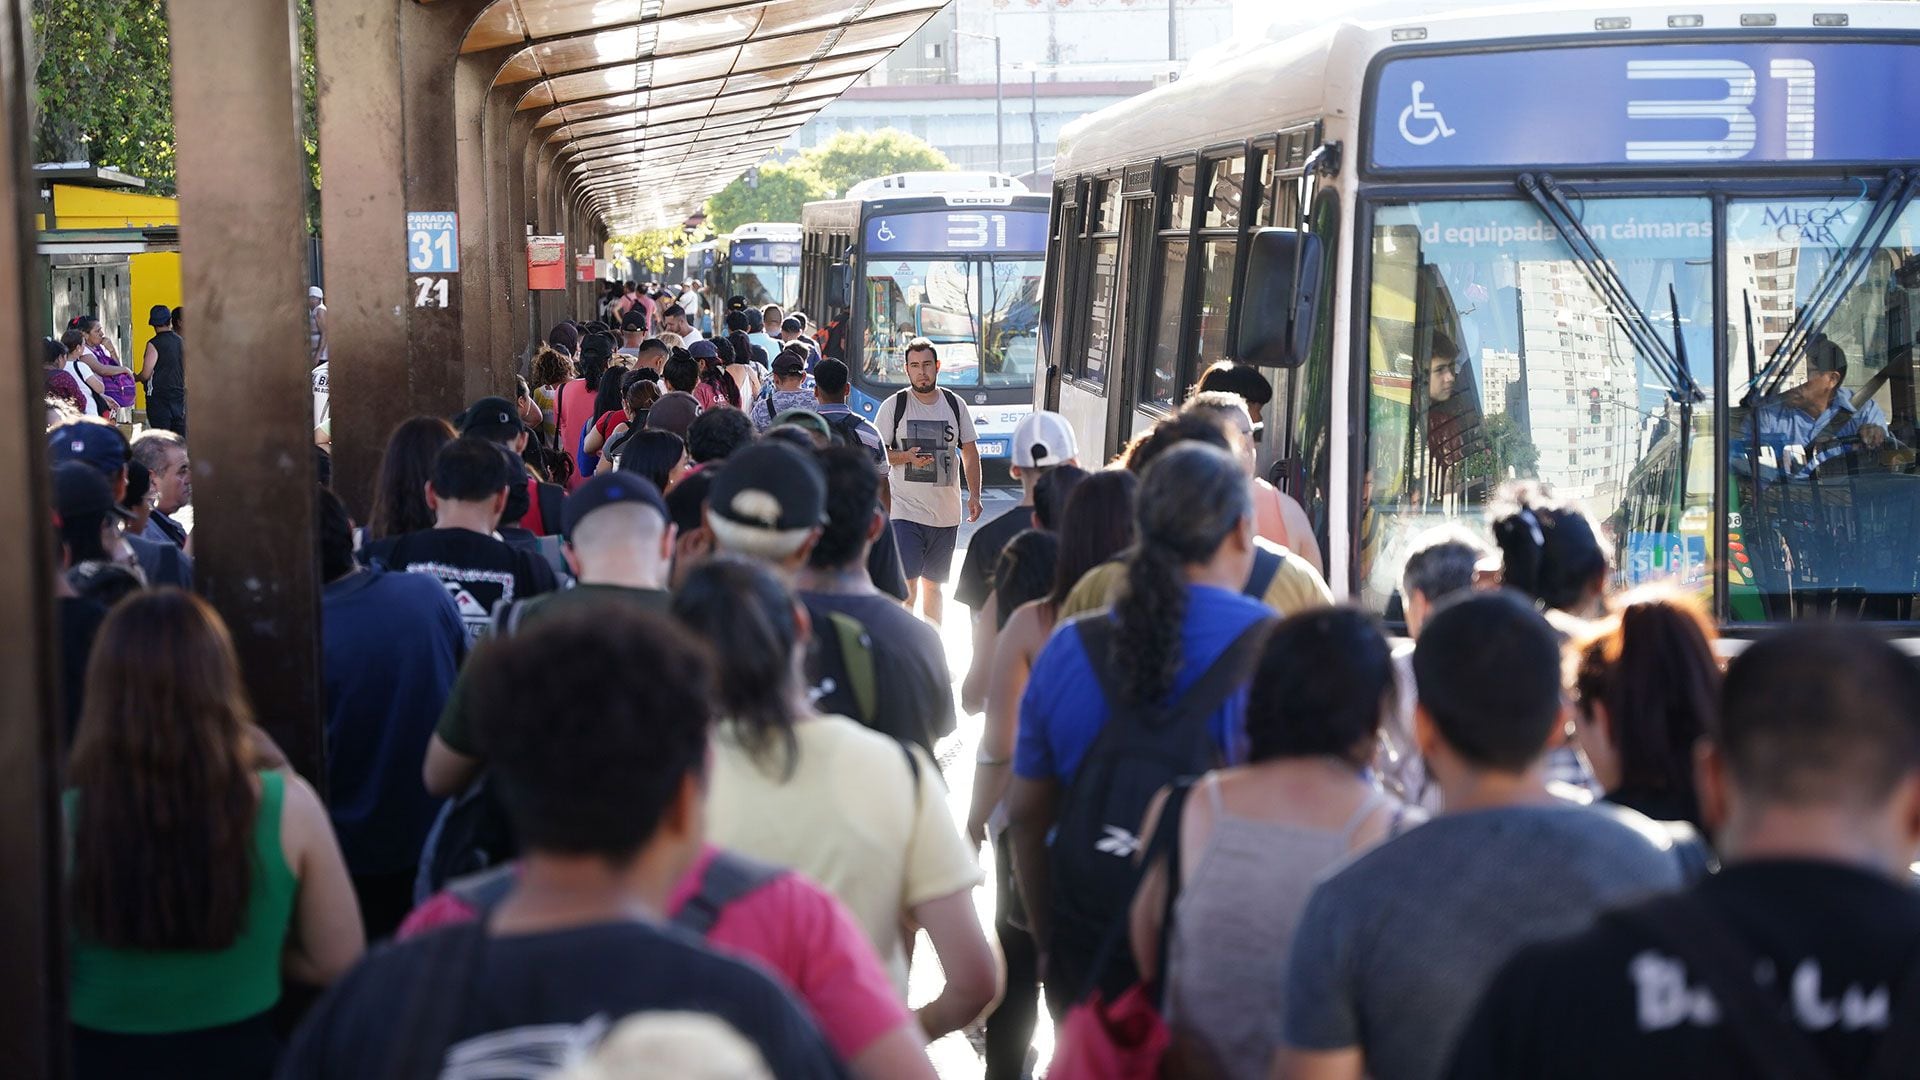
(994, 448)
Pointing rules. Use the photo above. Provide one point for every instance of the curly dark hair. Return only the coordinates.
(717, 433)
(1191, 499)
(550, 368)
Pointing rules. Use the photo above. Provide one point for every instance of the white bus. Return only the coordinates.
(761, 262)
(1595, 247)
(952, 257)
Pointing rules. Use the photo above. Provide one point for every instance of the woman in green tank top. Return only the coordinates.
(197, 878)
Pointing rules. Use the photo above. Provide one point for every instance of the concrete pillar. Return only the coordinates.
(242, 177)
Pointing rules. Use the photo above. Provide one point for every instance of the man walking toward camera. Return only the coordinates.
(926, 427)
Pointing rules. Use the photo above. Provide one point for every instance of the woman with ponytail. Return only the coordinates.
(745, 367)
(1645, 683)
(1550, 552)
(715, 387)
(1180, 611)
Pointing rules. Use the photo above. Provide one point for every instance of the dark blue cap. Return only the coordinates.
(99, 445)
(609, 489)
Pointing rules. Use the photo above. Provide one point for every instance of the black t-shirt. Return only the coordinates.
(478, 571)
(983, 554)
(79, 622)
(912, 688)
(536, 1000)
(1611, 1003)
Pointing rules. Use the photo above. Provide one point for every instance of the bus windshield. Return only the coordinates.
(1824, 512)
(982, 314)
(1496, 352)
(763, 285)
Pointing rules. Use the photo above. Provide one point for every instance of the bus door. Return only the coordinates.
(1132, 315)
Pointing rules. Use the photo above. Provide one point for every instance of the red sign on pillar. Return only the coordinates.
(583, 265)
(546, 263)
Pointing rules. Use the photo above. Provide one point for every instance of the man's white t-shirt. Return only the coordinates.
(927, 495)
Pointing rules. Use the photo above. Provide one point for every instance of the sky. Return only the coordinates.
(1254, 16)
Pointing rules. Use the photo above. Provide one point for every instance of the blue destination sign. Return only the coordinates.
(983, 230)
(765, 253)
(1638, 105)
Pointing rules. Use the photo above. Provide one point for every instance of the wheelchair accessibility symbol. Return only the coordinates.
(1435, 124)
(885, 234)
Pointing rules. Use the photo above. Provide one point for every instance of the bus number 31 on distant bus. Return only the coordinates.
(1663, 258)
(955, 258)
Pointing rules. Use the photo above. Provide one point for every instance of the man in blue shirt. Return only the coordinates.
(1819, 408)
(391, 646)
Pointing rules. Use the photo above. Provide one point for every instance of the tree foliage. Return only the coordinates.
(651, 248)
(104, 92)
(103, 89)
(775, 192)
(853, 156)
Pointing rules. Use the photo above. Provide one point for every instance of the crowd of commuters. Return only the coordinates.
(634, 704)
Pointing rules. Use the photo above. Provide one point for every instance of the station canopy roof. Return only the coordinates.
(657, 104)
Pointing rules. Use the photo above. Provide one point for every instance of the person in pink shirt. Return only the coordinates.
(800, 933)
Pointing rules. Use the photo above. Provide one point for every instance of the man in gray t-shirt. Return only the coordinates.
(930, 439)
(1394, 950)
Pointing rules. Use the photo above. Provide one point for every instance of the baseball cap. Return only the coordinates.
(704, 349)
(675, 412)
(633, 322)
(159, 315)
(80, 491)
(736, 302)
(789, 362)
(491, 418)
(609, 489)
(770, 486)
(1043, 439)
(805, 418)
(790, 325)
(99, 445)
(314, 292)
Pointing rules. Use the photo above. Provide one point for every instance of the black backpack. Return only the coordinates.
(1139, 750)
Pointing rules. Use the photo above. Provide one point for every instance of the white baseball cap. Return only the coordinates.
(314, 292)
(1043, 439)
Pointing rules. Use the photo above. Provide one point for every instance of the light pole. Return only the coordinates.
(999, 100)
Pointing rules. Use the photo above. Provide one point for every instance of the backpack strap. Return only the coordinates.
(1266, 567)
(953, 406)
(856, 659)
(1682, 925)
(728, 878)
(1227, 673)
(899, 403)
(913, 768)
(482, 892)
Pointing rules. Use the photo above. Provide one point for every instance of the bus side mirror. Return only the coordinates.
(840, 285)
(1277, 305)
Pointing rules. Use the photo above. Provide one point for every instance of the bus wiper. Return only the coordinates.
(1834, 285)
(1605, 280)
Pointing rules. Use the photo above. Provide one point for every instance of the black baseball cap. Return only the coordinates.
(80, 491)
(98, 445)
(736, 302)
(770, 486)
(160, 315)
(633, 323)
(609, 489)
(790, 362)
(492, 418)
